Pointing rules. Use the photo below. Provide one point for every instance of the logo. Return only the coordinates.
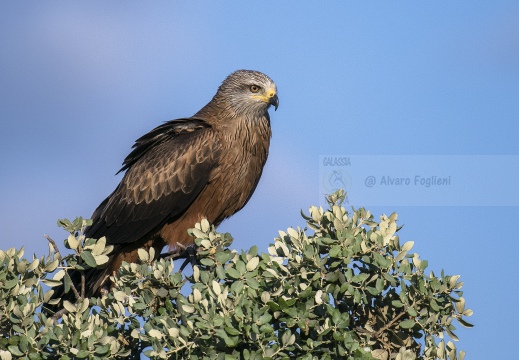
(336, 179)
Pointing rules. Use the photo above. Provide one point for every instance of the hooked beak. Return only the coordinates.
(274, 100)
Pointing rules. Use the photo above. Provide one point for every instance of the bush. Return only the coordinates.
(343, 288)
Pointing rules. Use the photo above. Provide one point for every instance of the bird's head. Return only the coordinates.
(248, 91)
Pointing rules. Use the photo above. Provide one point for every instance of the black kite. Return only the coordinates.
(204, 166)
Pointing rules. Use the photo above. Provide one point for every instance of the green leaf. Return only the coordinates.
(222, 257)
(451, 334)
(232, 272)
(381, 260)
(252, 264)
(237, 287)
(465, 323)
(360, 277)
(220, 272)
(253, 283)
(51, 283)
(101, 259)
(372, 290)
(407, 324)
(407, 246)
(69, 306)
(72, 242)
(89, 259)
(143, 255)
(67, 282)
(453, 280)
(10, 284)
(335, 251)
(13, 349)
(356, 296)
(119, 295)
(82, 354)
(99, 247)
(273, 306)
(188, 308)
(200, 235)
(207, 262)
(412, 312)
(266, 329)
(232, 331)
(204, 225)
(397, 303)
(423, 265)
(154, 333)
(434, 305)
(460, 305)
(102, 350)
(59, 275)
(205, 243)
(216, 287)
(23, 345)
(52, 266)
(401, 256)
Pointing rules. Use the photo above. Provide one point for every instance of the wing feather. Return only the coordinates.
(164, 174)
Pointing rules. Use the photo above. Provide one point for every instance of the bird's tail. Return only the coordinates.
(94, 277)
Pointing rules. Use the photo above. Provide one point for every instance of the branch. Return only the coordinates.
(389, 324)
(73, 287)
(82, 286)
(54, 246)
(182, 254)
(58, 315)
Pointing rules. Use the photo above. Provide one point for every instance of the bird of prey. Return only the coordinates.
(204, 166)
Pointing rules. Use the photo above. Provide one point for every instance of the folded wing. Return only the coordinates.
(165, 172)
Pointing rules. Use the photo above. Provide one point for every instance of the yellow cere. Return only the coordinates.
(266, 96)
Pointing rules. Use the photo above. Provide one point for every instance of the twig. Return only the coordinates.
(389, 324)
(175, 254)
(82, 285)
(58, 315)
(186, 252)
(72, 286)
(54, 246)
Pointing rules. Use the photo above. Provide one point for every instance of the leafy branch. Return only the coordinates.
(343, 287)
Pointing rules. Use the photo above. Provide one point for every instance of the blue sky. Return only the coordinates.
(81, 81)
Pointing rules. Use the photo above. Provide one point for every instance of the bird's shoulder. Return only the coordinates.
(168, 131)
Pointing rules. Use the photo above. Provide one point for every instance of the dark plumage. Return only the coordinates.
(205, 166)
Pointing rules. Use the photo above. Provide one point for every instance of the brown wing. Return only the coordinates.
(164, 174)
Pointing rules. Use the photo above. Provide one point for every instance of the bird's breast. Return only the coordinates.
(243, 156)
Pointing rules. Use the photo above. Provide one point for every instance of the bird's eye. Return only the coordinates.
(254, 88)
